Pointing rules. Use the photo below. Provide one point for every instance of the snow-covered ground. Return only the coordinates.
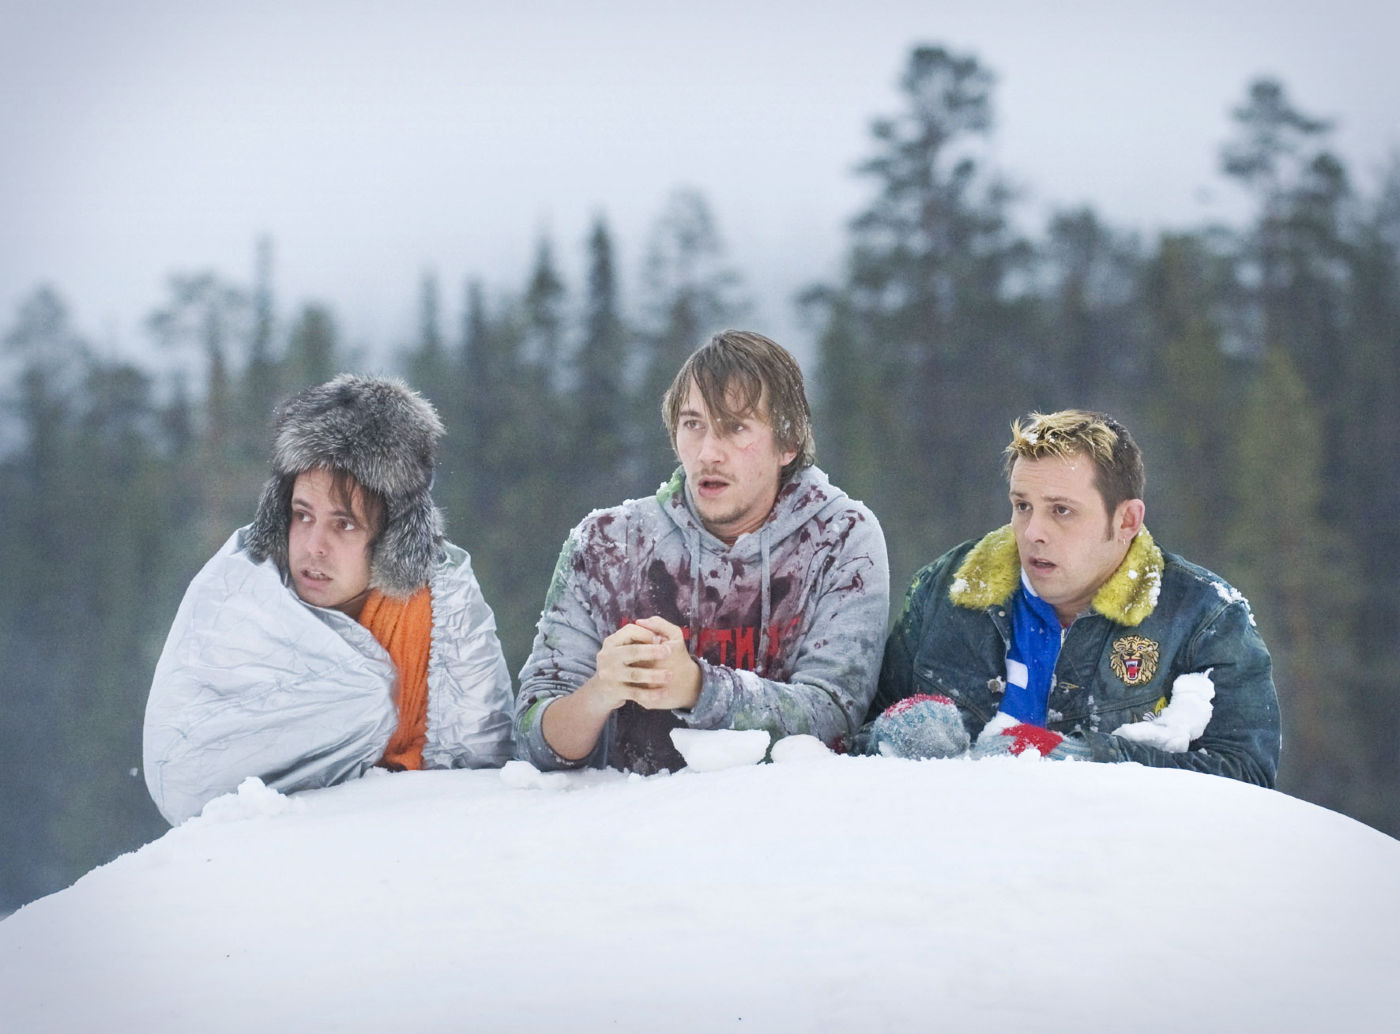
(817, 893)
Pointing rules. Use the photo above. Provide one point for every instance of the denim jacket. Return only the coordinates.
(1156, 618)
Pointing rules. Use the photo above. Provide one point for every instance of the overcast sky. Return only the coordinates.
(376, 141)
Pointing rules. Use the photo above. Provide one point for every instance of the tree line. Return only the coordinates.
(1256, 364)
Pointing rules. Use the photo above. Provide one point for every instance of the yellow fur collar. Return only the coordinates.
(991, 571)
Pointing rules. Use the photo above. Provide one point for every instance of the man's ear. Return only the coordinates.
(1128, 518)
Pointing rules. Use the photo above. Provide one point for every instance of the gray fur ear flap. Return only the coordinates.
(408, 550)
(267, 535)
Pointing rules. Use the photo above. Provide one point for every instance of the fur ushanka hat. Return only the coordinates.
(384, 436)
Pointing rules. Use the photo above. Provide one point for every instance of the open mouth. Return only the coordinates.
(1041, 565)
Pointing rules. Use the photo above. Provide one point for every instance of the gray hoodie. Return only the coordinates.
(787, 624)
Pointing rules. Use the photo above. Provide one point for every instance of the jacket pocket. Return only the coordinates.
(1076, 708)
(977, 696)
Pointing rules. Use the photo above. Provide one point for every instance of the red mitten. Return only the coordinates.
(1024, 737)
(1016, 740)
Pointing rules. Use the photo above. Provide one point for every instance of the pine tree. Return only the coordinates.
(1369, 450)
(603, 467)
(1369, 419)
(207, 316)
(1294, 568)
(926, 314)
(465, 403)
(1293, 257)
(1090, 349)
(312, 351)
(690, 294)
(848, 409)
(472, 484)
(427, 359)
(1190, 397)
(133, 575)
(39, 490)
(544, 314)
(1308, 274)
(261, 387)
(83, 543)
(502, 496)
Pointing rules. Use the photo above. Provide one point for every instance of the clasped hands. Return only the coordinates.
(646, 661)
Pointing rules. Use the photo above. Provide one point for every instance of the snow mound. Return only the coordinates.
(710, 750)
(846, 894)
(1182, 720)
(800, 748)
(252, 798)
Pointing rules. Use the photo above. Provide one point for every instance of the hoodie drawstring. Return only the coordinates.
(761, 661)
(696, 548)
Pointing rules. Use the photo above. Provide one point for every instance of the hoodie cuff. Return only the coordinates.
(716, 699)
(535, 749)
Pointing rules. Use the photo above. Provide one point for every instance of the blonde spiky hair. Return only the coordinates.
(1117, 460)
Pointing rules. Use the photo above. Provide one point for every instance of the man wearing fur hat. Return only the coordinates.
(748, 593)
(337, 631)
(1069, 634)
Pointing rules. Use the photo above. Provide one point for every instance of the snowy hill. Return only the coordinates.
(821, 893)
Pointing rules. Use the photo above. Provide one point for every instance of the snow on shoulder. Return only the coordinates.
(816, 893)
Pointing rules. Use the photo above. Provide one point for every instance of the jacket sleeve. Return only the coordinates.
(837, 664)
(252, 682)
(1242, 739)
(897, 669)
(469, 690)
(561, 660)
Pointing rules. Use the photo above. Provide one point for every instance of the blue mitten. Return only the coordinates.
(920, 726)
(1018, 739)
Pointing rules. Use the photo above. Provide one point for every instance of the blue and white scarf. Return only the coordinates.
(1030, 659)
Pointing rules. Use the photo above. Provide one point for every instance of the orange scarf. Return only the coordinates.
(405, 629)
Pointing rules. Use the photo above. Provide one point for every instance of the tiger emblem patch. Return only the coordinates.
(1134, 659)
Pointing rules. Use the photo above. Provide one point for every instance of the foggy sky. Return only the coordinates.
(376, 142)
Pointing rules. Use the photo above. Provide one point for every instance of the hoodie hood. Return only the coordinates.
(807, 493)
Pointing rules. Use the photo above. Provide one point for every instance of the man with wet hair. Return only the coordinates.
(1069, 633)
(747, 593)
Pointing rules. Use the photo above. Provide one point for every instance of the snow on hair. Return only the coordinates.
(1081, 432)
